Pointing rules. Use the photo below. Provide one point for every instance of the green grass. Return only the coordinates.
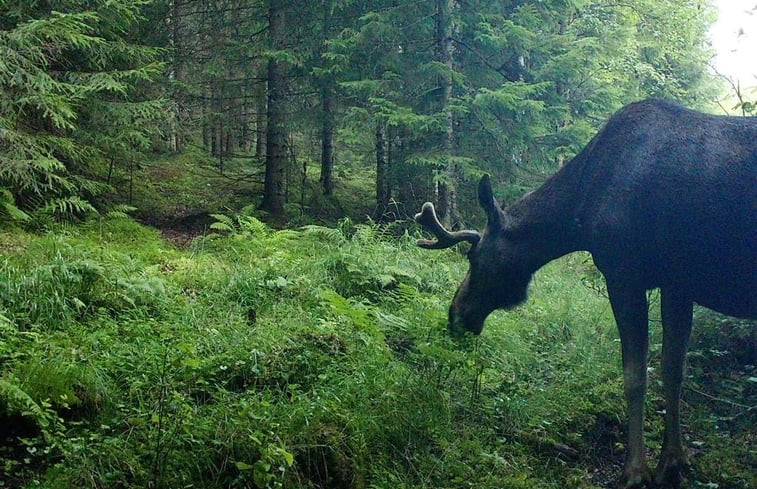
(319, 358)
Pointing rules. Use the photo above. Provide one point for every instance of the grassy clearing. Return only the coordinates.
(318, 358)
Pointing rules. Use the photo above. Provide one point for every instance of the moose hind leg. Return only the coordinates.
(676, 323)
(629, 306)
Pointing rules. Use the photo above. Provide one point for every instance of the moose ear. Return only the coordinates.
(488, 202)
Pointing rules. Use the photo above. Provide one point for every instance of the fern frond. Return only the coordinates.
(252, 225)
(17, 401)
(68, 207)
(120, 211)
(330, 235)
(8, 207)
(222, 226)
(14, 212)
(223, 219)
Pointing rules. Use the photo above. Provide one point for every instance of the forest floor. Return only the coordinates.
(179, 195)
(221, 353)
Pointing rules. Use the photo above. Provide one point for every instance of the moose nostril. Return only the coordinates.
(456, 328)
(455, 324)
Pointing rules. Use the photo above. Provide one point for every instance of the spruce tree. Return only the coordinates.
(73, 104)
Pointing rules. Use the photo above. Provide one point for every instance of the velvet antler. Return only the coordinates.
(444, 239)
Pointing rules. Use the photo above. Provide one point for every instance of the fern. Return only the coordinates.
(252, 225)
(360, 315)
(8, 207)
(14, 400)
(120, 211)
(68, 207)
(223, 223)
(329, 235)
(242, 224)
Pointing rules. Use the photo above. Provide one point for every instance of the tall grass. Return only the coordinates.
(312, 358)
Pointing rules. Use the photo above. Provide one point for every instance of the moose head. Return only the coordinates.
(497, 278)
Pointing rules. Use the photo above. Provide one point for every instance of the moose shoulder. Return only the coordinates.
(663, 197)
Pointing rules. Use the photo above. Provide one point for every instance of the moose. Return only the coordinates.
(663, 197)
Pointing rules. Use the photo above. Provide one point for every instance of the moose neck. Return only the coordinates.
(545, 222)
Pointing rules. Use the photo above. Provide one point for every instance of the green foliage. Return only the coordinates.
(68, 288)
(68, 103)
(70, 206)
(9, 210)
(14, 400)
(243, 225)
(319, 358)
(530, 81)
(453, 89)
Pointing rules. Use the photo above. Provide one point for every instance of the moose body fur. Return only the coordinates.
(663, 197)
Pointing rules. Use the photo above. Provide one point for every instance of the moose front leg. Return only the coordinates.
(676, 323)
(629, 306)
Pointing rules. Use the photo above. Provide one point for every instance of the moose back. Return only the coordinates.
(663, 197)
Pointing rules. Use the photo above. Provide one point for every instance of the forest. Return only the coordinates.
(209, 274)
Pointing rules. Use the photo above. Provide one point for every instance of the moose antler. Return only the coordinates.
(444, 239)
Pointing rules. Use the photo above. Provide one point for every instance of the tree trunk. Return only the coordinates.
(173, 107)
(327, 138)
(383, 186)
(245, 135)
(261, 110)
(218, 141)
(328, 93)
(274, 195)
(447, 188)
(207, 119)
(217, 133)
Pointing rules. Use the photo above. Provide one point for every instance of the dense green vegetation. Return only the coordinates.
(417, 98)
(269, 334)
(318, 358)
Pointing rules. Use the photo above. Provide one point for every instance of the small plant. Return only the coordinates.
(243, 224)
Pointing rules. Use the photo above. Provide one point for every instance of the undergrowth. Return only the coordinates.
(318, 358)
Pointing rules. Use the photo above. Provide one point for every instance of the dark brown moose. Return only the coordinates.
(663, 197)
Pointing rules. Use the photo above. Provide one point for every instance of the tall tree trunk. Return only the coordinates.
(274, 191)
(447, 188)
(173, 108)
(217, 132)
(328, 93)
(245, 136)
(218, 129)
(205, 132)
(261, 110)
(327, 137)
(207, 119)
(383, 185)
